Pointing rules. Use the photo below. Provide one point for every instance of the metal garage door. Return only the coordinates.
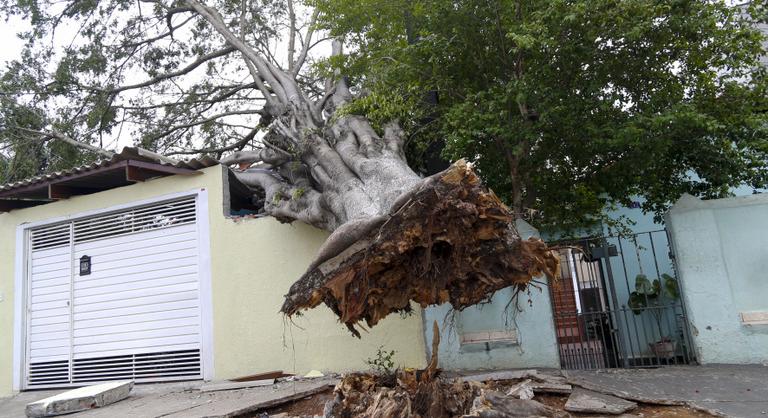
(134, 314)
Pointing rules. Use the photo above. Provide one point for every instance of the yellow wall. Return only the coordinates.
(253, 263)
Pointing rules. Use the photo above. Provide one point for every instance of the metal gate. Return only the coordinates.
(115, 297)
(617, 303)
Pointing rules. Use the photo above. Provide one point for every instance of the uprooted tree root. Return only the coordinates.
(449, 240)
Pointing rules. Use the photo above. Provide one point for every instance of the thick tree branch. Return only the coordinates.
(266, 155)
(288, 202)
(296, 67)
(189, 68)
(264, 69)
(206, 120)
(394, 138)
(48, 135)
(291, 34)
(234, 146)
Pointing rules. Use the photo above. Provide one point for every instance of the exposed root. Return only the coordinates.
(452, 240)
(431, 370)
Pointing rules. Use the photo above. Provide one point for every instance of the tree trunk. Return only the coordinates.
(395, 237)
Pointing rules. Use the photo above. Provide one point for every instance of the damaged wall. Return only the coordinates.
(721, 249)
(253, 263)
(492, 337)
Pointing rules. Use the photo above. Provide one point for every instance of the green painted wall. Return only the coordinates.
(253, 263)
(721, 248)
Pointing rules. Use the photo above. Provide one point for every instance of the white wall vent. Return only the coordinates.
(135, 220)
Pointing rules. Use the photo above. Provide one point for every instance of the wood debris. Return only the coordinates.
(379, 396)
(408, 395)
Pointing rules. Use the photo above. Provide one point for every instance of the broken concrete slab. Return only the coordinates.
(258, 399)
(219, 404)
(503, 375)
(229, 385)
(521, 390)
(182, 400)
(81, 399)
(275, 374)
(492, 404)
(550, 387)
(587, 401)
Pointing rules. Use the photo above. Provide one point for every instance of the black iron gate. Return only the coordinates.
(617, 303)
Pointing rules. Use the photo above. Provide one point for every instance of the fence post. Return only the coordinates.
(615, 300)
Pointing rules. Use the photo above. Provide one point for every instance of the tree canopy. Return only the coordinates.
(568, 107)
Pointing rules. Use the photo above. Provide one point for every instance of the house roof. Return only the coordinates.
(129, 166)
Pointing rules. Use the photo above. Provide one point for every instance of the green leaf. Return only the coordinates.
(643, 285)
(670, 286)
(637, 302)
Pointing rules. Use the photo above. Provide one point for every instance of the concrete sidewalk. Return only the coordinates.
(722, 390)
(175, 400)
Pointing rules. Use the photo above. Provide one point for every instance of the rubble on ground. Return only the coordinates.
(493, 404)
(414, 394)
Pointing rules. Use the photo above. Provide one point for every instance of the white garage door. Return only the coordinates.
(134, 315)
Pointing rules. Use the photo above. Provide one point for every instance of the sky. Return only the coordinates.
(11, 44)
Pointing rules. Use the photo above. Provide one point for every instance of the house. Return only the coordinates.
(135, 268)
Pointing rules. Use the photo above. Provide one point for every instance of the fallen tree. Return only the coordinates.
(395, 237)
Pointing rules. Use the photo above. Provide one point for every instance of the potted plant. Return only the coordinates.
(652, 297)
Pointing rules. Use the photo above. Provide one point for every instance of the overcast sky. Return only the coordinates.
(11, 44)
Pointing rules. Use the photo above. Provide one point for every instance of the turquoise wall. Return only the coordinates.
(536, 345)
(722, 257)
